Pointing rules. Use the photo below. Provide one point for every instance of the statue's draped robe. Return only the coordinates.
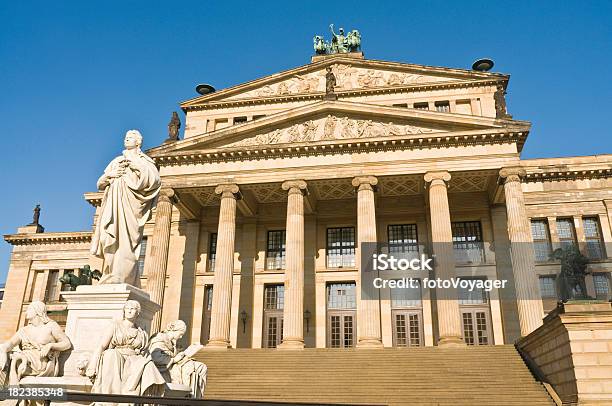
(125, 367)
(126, 207)
(186, 371)
(30, 354)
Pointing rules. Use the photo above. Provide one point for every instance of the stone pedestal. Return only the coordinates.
(91, 309)
(573, 351)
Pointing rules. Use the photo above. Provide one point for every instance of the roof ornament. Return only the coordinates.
(340, 43)
(173, 127)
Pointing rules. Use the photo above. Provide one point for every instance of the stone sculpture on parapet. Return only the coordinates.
(130, 183)
(40, 342)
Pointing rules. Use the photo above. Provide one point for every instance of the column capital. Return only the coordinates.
(366, 182)
(166, 195)
(513, 174)
(435, 177)
(228, 190)
(295, 186)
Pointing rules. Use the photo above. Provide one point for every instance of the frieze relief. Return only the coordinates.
(332, 128)
(348, 77)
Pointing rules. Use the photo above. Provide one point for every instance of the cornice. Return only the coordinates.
(568, 168)
(332, 147)
(556, 175)
(343, 94)
(49, 238)
(94, 198)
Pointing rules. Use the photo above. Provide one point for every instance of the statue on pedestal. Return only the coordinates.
(39, 344)
(130, 183)
(121, 364)
(178, 366)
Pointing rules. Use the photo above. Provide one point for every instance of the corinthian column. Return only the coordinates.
(157, 262)
(293, 323)
(224, 268)
(526, 281)
(368, 316)
(449, 317)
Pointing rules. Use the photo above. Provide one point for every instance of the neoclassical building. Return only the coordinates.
(255, 238)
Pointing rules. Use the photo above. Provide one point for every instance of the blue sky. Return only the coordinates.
(75, 76)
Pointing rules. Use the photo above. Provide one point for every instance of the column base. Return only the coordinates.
(217, 345)
(451, 342)
(291, 344)
(369, 343)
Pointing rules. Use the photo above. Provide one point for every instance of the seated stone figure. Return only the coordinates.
(121, 364)
(178, 366)
(39, 344)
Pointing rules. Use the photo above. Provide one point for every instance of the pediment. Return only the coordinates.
(351, 75)
(331, 121)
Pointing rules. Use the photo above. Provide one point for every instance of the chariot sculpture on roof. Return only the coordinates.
(340, 42)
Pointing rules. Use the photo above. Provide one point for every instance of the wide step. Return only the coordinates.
(494, 375)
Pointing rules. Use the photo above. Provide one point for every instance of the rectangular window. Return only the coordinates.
(467, 242)
(221, 123)
(541, 240)
(212, 252)
(401, 105)
(421, 106)
(406, 329)
(403, 240)
(275, 251)
(602, 285)
(566, 232)
(341, 296)
(52, 293)
(341, 247)
(547, 287)
(341, 305)
(442, 106)
(406, 297)
(475, 327)
(464, 107)
(258, 116)
(274, 297)
(274, 302)
(475, 296)
(239, 120)
(592, 233)
(141, 257)
(208, 296)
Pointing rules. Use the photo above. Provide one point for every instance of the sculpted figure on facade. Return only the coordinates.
(130, 183)
(178, 366)
(39, 344)
(121, 363)
(173, 127)
(332, 127)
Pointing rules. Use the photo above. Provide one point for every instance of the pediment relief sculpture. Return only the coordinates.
(332, 128)
(348, 77)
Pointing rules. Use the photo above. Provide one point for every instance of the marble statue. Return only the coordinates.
(173, 127)
(130, 183)
(40, 342)
(121, 363)
(178, 366)
(340, 43)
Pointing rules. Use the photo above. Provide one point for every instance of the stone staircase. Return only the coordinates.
(425, 376)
